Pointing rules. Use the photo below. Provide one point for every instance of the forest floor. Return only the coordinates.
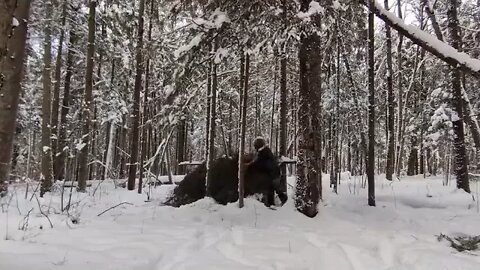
(400, 233)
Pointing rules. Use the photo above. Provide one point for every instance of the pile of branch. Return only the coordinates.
(462, 243)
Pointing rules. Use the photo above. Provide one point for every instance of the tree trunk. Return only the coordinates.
(145, 112)
(283, 102)
(433, 19)
(245, 75)
(136, 100)
(12, 52)
(399, 153)
(412, 165)
(231, 125)
(180, 149)
(272, 114)
(56, 85)
(390, 105)
(470, 119)
(308, 186)
(461, 169)
(371, 107)
(108, 158)
(93, 138)
(46, 150)
(110, 144)
(212, 119)
(63, 125)
(208, 105)
(87, 106)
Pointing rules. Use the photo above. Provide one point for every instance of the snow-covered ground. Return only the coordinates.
(400, 233)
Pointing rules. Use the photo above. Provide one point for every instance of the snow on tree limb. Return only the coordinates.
(427, 41)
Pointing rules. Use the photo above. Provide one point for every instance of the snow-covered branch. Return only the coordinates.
(427, 41)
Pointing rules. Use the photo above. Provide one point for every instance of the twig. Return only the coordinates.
(25, 220)
(67, 207)
(35, 191)
(114, 207)
(99, 183)
(40, 208)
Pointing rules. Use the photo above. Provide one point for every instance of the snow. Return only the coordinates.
(400, 233)
(313, 9)
(442, 47)
(220, 18)
(435, 137)
(15, 22)
(168, 89)
(220, 54)
(79, 146)
(336, 5)
(193, 43)
(436, 92)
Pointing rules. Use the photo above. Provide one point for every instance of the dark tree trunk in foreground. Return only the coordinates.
(208, 107)
(212, 120)
(371, 107)
(134, 142)
(12, 52)
(181, 145)
(244, 77)
(460, 156)
(308, 186)
(46, 150)
(390, 105)
(87, 106)
(283, 103)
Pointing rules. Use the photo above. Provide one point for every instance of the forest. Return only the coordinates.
(347, 94)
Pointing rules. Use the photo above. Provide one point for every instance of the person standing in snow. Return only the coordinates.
(266, 162)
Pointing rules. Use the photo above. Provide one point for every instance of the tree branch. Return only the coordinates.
(440, 49)
(113, 207)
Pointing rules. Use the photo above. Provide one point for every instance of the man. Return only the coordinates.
(267, 163)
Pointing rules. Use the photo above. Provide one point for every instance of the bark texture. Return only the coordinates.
(12, 52)
(134, 142)
(308, 186)
(87, 105)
